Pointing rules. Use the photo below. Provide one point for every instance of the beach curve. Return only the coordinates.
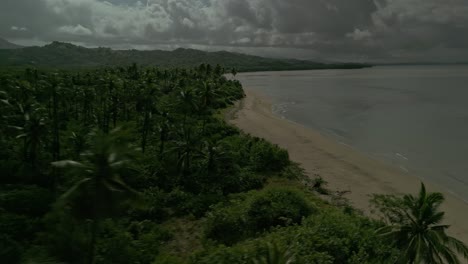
(342, 167)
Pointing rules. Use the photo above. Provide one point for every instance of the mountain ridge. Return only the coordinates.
(67, 55)
(5, 44)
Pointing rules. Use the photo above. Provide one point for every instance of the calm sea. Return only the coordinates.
(413, 117)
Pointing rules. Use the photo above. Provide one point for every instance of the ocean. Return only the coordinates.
(411, 117)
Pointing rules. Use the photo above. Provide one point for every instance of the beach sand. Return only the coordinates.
(342, 167)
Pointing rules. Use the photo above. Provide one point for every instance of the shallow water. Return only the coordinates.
(413, 117)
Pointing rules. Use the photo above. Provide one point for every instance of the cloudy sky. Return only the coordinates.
(358, 30)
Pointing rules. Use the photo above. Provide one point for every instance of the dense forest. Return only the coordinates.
(138, 165)
(66, 55)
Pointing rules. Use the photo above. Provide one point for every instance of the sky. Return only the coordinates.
(345, 30)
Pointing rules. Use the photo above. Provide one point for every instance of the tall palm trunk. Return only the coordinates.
(56, 135)
(184, 122)
(92, 243)
(33, 153)
(94, 224)
(162, 139)
(25, 149)
(145, 130)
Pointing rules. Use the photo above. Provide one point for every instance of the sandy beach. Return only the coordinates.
(342, 167)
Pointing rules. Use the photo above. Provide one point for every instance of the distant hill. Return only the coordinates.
(4, 44)
(66, 55)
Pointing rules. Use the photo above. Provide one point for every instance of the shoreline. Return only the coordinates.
(344, 168)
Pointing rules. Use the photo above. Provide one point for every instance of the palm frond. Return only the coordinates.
(68, 163)
(75, 188)
(459, 246)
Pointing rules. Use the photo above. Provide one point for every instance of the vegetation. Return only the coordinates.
(415, 227)
(59, 55)
(135, 165)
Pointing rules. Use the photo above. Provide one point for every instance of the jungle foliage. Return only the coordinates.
(135, 165)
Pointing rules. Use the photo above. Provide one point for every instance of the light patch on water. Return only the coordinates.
(280, 109)
(401, 156)
(346, 145)
(404, 169)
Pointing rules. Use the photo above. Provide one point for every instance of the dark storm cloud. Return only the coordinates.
(327, 17)
(330, 29)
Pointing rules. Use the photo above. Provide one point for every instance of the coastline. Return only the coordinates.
(342, 167)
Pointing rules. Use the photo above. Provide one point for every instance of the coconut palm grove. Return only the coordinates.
(139, 165)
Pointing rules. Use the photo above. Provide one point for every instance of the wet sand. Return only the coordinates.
(342, 167)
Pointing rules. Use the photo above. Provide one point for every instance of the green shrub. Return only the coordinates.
(11, 171)
(152, 206)
(63, 238)
(20, 227)
(221, 255)
(277, 207)
(255, 213)
(347, 238)
(183, 203)
(245, 180)
(178, 201)
(10, 250)
(328, 237)
(293, 172)
(219, 130)
(266, 157)
(26, 200)
(138, 242)
(226, 225)
(202, 203)
(167, 259)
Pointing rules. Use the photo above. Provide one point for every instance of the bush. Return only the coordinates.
(10, 250)
(293, 172)
(244, 181)
(137, 243)
(255, 213)
(266, 157)
(11, 171)
(277, 207)
(183, 203)
(152, 206)
(202, 203)
(327, 237)
(348, 238)
(26, 200)
(226, 225)
(20, 227)
(256, 153)
(221, 254)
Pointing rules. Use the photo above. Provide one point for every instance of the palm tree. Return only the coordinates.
(188, 102)
(32, 131)
(186, 146)
(148, 103)
(420, 234)
(208, 94)
(164, 127)
(214, 158)
(234, 72)
(55, 121)
(100, 191)
(5, 108)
